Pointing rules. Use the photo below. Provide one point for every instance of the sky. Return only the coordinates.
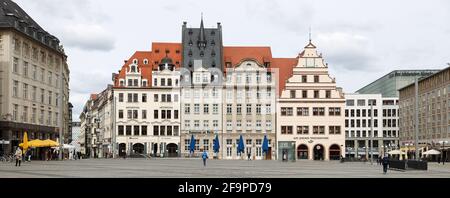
(360, 40)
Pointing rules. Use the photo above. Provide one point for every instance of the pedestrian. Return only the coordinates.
(439, 160)
(249, 156)
(29, 155)
(204, 157)
(385, 164)
(18, 156)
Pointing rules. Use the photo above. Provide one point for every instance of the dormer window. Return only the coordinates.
(133, 69)
(144, 83)
(145, 61)
(121, 83)
(135, 61)
(135, 82)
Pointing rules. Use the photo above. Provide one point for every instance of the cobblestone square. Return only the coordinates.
(193, 168)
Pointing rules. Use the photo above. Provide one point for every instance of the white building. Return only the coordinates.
(361, 111)
(96, 125)
(147, 117)
(310, 121)
(201, 108)
(249, 110)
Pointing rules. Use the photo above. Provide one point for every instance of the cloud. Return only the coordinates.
(88, 37)
(293, 16)
(347, 51)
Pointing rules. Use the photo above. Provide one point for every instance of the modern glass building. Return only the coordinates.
(389, 84)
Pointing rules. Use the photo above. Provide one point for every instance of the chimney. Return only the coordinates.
(125, 61)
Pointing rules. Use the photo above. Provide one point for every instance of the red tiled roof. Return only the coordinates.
(237, 54)
(154, 57)
(285, 67)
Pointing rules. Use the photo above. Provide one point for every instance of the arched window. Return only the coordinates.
(145, 61)
(135, 61)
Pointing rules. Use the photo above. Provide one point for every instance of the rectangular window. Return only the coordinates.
(304, 79)
(258, 109)
(34, 72)
(144, 114)
(144, 97)
(318, 130)
(128, 130)
(169, 130)
(334, 130)
(120, 130)
(168, 114)
(303, 130)
(176, 130)
(156, 130)
(215, 108)
(175, 114)
(328, 94)
(292, 94)
(318, 111)
(206, 108)
(229, 109)
(350, 102)
(16, 65)
(120, 114)
(316, 94)
(196, 108)
(286, 111)
(135, 97)
(42, 96)
(187, 109)
(15, 88)
(286, 130)
(25, 69)
(316, 79)
(302, 111)
(215, 123)
(155, 97)
(129, 114)
(144, 130)
(162, 130)
(163, 114)
(120, 97)
(136, 131)
(130, 97)
(239, 109)
(304, 94)
(249, 109)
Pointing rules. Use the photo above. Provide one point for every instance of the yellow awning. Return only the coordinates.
(41, 143)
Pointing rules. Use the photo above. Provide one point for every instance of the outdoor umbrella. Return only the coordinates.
(265, 145)
(25, 142)
(240, 148)
(216, 144)
(192, 145)
(396, 152)
(50, 143)
(431, 152)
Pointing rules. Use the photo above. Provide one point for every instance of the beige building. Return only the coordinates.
(34, 80)
(310, 119)
(434, 114)
(249, 110)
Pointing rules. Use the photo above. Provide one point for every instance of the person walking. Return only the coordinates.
(18, 156)
(385, 164)
(249, 156)
(204, 157)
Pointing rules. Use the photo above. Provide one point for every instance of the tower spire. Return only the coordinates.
(310, 34)
(202, 35)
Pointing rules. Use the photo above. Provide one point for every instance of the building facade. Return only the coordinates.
(147, 104)
(249, 110)
(97, 126)
(389, 84)
(310, 122)
(34, 80)
(433, 114)
(370, 118)
(201, 81)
